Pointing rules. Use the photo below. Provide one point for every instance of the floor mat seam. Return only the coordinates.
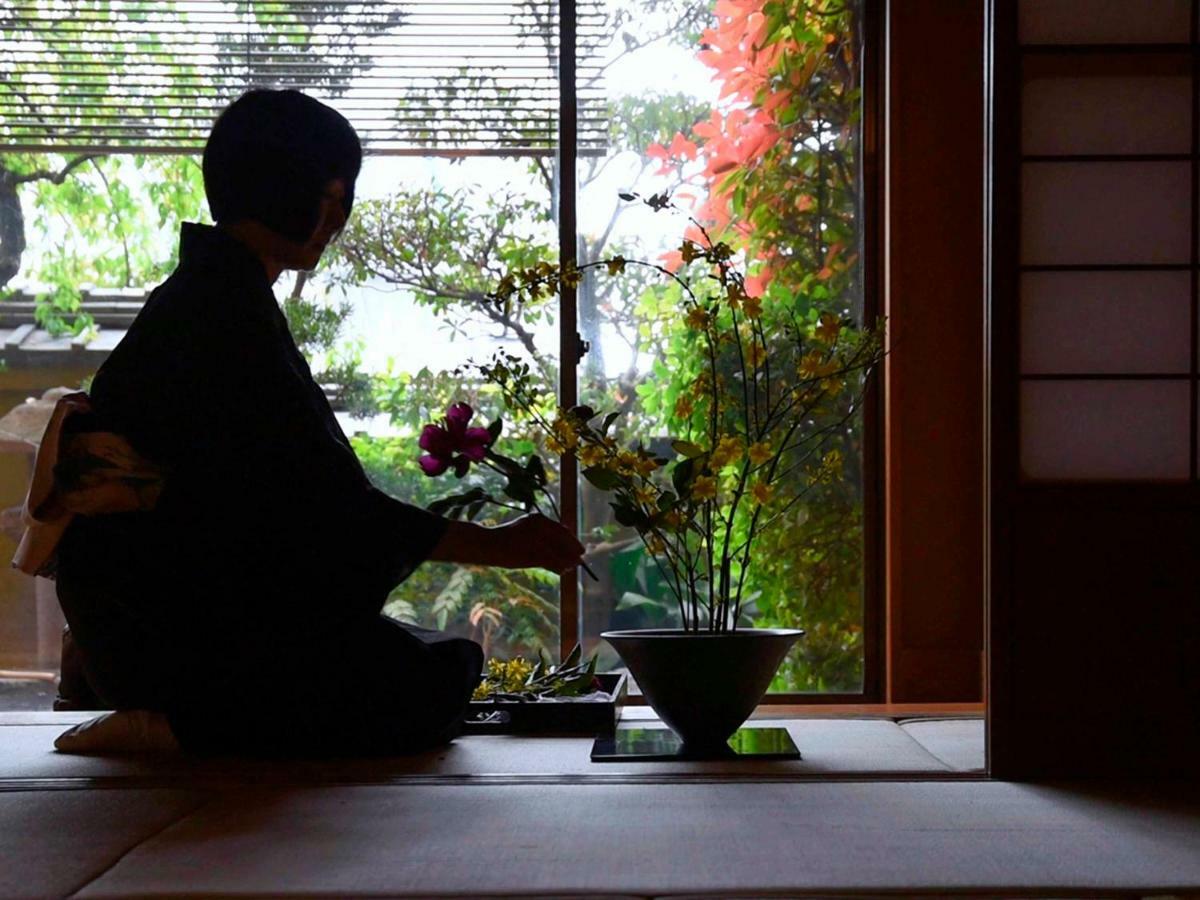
(92, 879)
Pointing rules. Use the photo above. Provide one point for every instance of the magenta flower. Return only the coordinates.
(453, 443)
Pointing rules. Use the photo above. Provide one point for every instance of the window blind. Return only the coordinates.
(415, 78)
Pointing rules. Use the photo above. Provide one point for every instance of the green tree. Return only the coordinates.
(106, 219)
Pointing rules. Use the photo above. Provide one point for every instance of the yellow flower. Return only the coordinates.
(696, 318)
(646, 466)
(571, 276)
(828, 328)
(554, 445)
(591, 454)
(759, 452)
(735, 294)
(655, 544)
(684, 406)
(761, 492)
(833, 385)
(615, 265)
(705, 487)
(627, 462)
(752, 306)
(507, 676)
(673, 520)
(515, 673)
(727, 450)
(565, 432)
(690, 250)
(756, 354)
(646, 494)
(830, 469)
(814, 365)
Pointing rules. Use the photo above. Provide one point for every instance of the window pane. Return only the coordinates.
(429, 238)
(779, 183)
(396, 307)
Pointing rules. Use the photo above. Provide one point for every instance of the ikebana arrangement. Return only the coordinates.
(520, 679)
(770, 391)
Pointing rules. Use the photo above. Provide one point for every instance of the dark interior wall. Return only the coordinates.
(1094, 568)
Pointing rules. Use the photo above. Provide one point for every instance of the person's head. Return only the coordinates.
(286, 162)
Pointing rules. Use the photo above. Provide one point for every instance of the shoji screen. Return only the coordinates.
(1108, 240)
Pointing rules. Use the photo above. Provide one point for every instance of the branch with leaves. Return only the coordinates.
(744, 431)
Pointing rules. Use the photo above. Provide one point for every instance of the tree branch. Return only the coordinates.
(54, 177)
(120, 220)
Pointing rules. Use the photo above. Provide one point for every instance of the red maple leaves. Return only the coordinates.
(761, 65)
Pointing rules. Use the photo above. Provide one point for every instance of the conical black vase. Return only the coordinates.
(703, 685)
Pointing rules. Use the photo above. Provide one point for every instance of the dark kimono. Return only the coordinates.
(246, 604)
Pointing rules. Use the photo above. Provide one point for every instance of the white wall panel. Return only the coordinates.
(1106, 115)
(1105, 212)
(1096, 322)
(1104, 21)
(1105, 430)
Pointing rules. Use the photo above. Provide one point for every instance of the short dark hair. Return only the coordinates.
(270, 155)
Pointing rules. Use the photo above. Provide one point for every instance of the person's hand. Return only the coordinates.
(535, 542)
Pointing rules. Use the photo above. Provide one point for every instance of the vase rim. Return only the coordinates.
(678, 633)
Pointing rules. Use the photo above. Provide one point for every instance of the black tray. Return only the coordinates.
(559, 717)
(654, 744)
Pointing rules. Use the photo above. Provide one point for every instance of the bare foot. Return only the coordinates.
(127, 731)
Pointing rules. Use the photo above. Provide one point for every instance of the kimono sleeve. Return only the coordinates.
(264, 478)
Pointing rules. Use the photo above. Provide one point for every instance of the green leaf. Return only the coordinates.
(455, 502)
(495, 428)
(630, 600)
(682, 475)
(687, 448)
(519, 488)
(573, 657)
(537, 470)
(602, 478)
(629, 516)
(507, 465)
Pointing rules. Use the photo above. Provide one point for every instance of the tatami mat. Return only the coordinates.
(257, 830)
(54, 842)
(828, 746)
(958, 742)
(651, 840)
